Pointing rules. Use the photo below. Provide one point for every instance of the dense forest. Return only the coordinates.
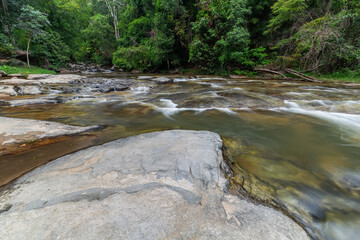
(214, 36)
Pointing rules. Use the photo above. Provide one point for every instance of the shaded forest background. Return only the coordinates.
(215, 36)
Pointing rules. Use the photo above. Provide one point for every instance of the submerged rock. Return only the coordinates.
(162, 185)
(32, 101)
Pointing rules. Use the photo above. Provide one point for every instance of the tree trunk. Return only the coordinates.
(27, 52)
(117, 36)
(113, 13)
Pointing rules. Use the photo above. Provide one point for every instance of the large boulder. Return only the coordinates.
(16, 63)
(162, 185)
(28, 90)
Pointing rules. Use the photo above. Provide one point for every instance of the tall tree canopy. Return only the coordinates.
(211, 35)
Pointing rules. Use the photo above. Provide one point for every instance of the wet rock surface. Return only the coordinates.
(32, 101)
(161, 185)
(88, 68)
(15, 130)
(162, 80)
(49, 87)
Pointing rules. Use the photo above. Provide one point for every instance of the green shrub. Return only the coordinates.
(50, 51)
(133, 58)
(6, 47)
(250, 58)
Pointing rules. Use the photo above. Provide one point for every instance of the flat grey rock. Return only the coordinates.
(7, 90)
(162, 80)
(17, 75)
(46, 79)
(162, 185)
(31, 101)
(144, 77)
(16, 130)
(38, 76)
(28, 90)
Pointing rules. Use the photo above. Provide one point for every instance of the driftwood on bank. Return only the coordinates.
(270, 71)
(302, 76)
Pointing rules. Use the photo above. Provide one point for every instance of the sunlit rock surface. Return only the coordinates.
(16, 130)
(161, 185)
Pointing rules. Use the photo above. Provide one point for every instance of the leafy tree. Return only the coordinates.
(137, 58)
(113, 6)
(32, 22)
(164, 35)
(320, 35)
(98, 43)
(220, 34)
(50, 51)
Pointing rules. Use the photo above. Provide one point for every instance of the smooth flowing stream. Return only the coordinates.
(294, 145)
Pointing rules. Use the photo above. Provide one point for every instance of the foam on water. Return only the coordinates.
(169, 108)
(168, 103)
(140, 89)
(239, 89)
(213, 78)
(328, 89)
(214, 85)
(349, 123)
(300, 93)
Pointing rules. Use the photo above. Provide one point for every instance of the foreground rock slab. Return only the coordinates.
(16, 130)
(162, 185)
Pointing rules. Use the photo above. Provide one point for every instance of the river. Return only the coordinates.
(293, 145)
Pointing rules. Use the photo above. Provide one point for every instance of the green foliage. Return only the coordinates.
(6, 48)
(133, 58)
(98, 42)
(345, 75)
(50, 51)
(221, 33)
(285, 11)
(250, 58)
(258, 21)
(246, 73)
(163, 42)
(24, 70)
(219, 36)
(32, 21)
(319, 35)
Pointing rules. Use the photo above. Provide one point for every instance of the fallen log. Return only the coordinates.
(302, 75)
(270, 71)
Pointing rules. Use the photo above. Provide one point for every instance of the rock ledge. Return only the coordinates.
(162, 185)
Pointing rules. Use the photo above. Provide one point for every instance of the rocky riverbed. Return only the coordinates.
(291, 145)
(162, 185)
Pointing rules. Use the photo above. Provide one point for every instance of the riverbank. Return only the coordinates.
(341, 77)
(337, 77)
(24, 70)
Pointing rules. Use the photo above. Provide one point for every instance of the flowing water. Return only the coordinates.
(293, 145)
